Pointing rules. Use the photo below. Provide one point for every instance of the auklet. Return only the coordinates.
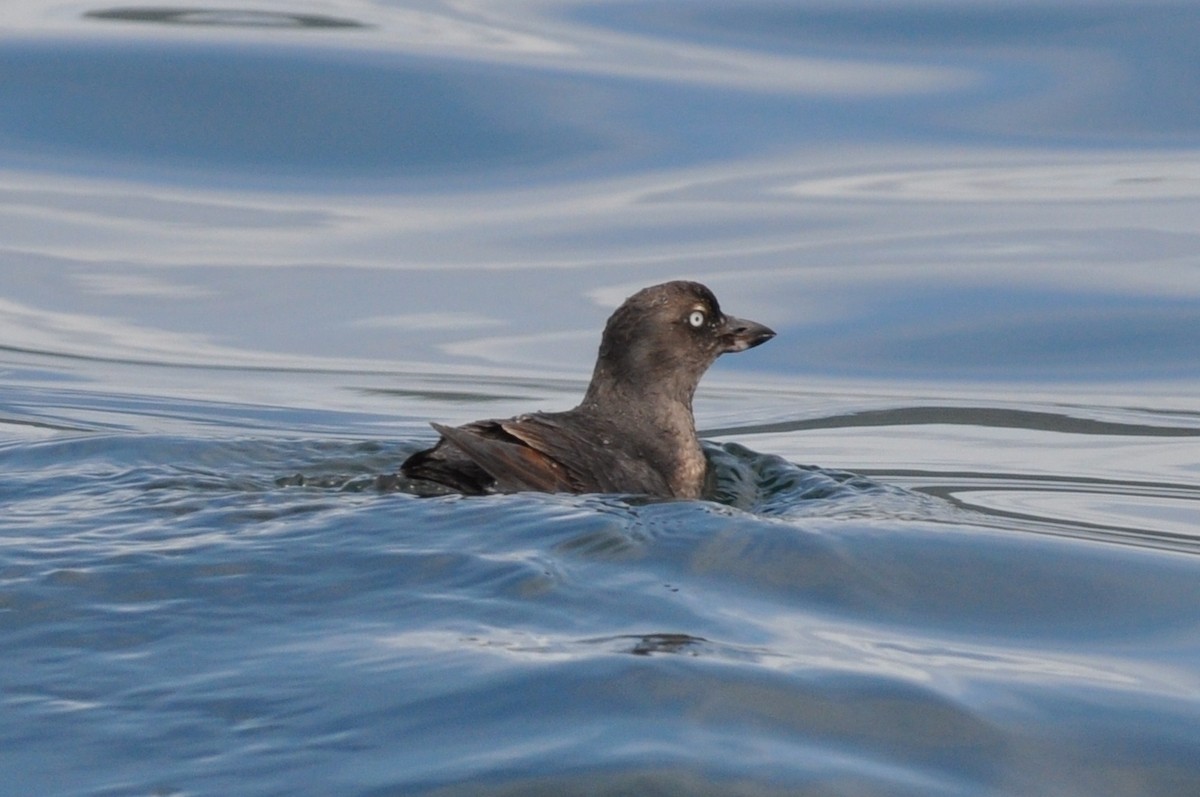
(634, 431)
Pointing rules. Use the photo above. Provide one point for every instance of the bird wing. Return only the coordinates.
(509, 459)
(591, 458)
(446, 464)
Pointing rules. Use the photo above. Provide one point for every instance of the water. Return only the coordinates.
(249, 252)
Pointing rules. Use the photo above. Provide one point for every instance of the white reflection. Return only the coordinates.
(96, 337)
(1102, 181)
(132, 285)
(416, 322)
(955, 665)
(629, 55)
(907, 656)
(1143, 513)
(499, 642)
(1011, 453)
(564, 349)
(82, 335)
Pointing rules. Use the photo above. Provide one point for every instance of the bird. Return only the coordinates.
(633, 432)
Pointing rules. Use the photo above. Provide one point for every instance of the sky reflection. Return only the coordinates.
(459, 186)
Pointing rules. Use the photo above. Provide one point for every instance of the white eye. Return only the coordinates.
(696, 319)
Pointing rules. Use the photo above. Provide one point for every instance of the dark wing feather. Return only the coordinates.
(513, 464)
(591, 454)
(448, 466)
(548, 452)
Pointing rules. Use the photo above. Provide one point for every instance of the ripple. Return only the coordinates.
(1146, 514)
(770, 486)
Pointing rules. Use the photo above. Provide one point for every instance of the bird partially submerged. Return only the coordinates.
(633, 432)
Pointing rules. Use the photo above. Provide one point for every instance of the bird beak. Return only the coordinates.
(739, 334)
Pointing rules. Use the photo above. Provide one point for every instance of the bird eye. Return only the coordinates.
(696, 319)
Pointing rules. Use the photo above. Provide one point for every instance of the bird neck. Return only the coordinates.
(664, 410)
(611, 391)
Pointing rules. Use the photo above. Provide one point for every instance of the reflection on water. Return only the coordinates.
(1037, 292)
(249, 252)
(282, 115)
(1103, 181)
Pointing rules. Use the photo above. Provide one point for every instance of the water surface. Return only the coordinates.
(249, 252)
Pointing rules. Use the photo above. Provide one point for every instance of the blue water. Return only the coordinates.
(247, 254)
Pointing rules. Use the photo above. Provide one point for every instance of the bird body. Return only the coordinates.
(634, 431)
